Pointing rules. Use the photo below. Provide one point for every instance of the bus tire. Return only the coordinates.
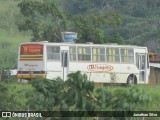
(22, 81)
(131, 80)
(19, 80)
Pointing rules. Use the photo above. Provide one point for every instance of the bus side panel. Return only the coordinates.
(53, 70)
(99, 77)
(73, 67)
(107, 73)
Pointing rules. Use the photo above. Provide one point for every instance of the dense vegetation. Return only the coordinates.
(77, 94)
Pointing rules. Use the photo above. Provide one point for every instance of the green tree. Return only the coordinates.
(90, 27)
(79, 91)
(43, 18)
(78, 6)
(116, 38)
(48, 95)
(73, 94)
(47, 22)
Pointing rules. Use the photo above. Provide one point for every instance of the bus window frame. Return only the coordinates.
(113, 56)
(58, 54)
(98, 55)
(83, 55)
(73, 54)
(127, 56)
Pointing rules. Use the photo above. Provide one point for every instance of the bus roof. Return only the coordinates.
(84, 44)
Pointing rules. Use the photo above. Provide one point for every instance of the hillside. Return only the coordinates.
(10, 37)
(140, 19)
(139, 23)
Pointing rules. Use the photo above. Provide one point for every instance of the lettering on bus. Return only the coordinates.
(100, 68)
(30, 65)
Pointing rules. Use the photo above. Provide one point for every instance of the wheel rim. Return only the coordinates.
(130, 81)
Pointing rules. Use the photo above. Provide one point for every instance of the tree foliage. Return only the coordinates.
(48, 95)
(80, 90)
(47, 22)
(91, 27)
(73, 94)
(43, 18)
(77, 93)
(78, 7)
(9, 101)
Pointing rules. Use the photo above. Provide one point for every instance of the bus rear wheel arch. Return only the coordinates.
(131, 80)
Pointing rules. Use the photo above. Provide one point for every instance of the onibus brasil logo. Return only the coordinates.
(21, 114)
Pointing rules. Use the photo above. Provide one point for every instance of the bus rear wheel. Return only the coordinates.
(22, 81)
(131, 80)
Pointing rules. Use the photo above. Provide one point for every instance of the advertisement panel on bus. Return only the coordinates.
(31, 52)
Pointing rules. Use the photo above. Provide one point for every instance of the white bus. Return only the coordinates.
(101, 62)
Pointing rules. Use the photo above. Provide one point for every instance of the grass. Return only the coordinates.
(10, 37)
(14, 38)
(154, 92)
(9, 44)
(19, 90)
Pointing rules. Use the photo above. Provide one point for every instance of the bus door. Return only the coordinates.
(64, 62)
(142, 67)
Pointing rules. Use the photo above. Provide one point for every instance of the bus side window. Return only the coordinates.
(84, 54)
(143, 62)
(65, 59)
(72, 52)
(127, 56)
(137, 60)
(130, 56)
(53, 53)
(49, 53)
(94, 52)
(112, 55)
(109, 54)
(98, 54)
(117, 55)
(87, 54)
(124, 56)
(102, 54)
(147, 61)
